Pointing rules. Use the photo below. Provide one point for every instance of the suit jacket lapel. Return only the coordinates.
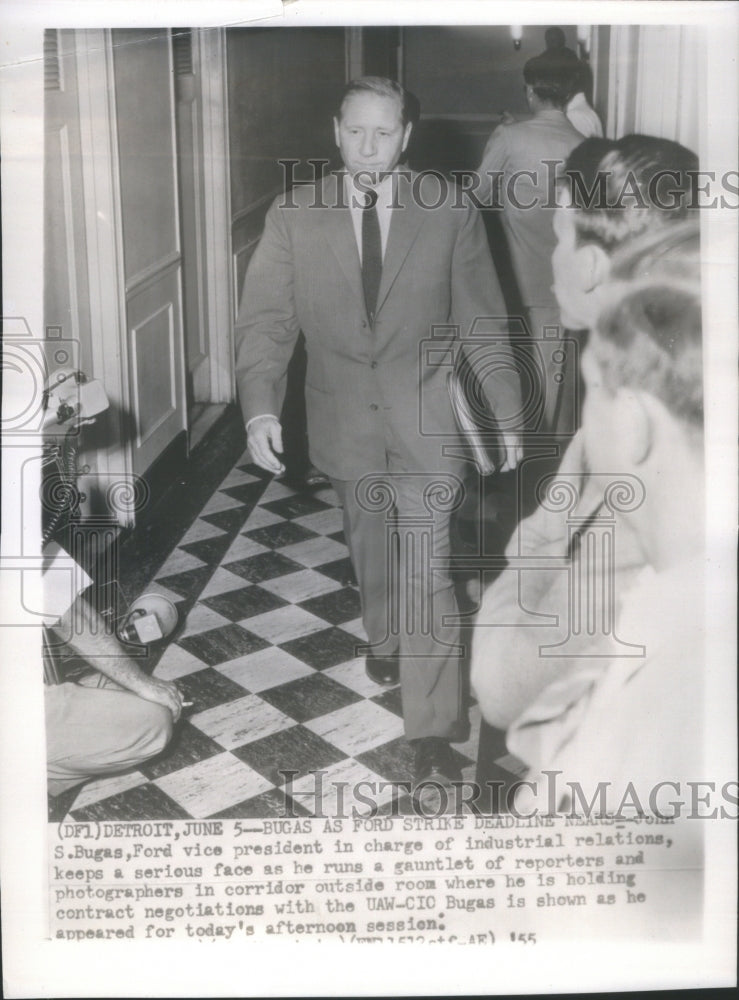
(339, 232)
(405, 223)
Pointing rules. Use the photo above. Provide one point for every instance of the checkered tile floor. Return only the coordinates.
(267, 653)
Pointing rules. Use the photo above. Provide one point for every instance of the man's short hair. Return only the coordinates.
(619, 189)
(384, 87)
(553, 76)
(649, 334)
(554, 38)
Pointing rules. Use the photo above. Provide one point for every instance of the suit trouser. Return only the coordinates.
(405, 602)
(95, 728)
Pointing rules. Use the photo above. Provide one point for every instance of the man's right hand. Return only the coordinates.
(162, 692)
(264, 440)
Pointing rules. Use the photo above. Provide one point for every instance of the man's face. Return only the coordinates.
(578, 273)
(370, 133)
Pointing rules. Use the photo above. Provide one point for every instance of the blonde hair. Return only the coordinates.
(649, 333)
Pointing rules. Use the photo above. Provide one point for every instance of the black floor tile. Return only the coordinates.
(255, 470)
(206, 688)
(273, 803)
(296, 506)
(275, 536)
(209, 550)
(218, 645)
(392, 761)
(231, 520)
(265, 566)
(246, 493)
(391, 700)
(325, 648)
(189, 583)
(309, 697)
(340, 570)
(337, 536)
(296, 750)
(336, 607)
(188, 746)
(244, 602)
(143, 802)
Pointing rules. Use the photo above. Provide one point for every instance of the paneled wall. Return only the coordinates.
(66, 295)
(283, 86)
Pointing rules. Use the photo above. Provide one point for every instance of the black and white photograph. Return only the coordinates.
(369, 493)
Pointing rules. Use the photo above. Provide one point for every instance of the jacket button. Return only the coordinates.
(373, 364)
(374, 406)
(364, 324)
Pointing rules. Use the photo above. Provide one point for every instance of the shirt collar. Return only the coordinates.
(384, 190)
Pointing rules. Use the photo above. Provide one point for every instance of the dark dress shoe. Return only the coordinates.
(383, 670)
(309, 479)
(314, 478)
(434, 761)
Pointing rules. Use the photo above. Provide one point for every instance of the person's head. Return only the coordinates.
(550, 80)
(643, 370)
(554, 38)
(613, 191)
(373, 125)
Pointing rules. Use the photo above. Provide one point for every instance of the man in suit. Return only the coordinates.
(528, 155)
(367, 263)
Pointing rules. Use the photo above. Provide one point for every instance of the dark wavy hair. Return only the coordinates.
(553, 76)
(621, 188)
(384, 87)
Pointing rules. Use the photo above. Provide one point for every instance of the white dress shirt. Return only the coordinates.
(355, 197)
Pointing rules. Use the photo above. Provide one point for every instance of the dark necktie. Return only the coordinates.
(371, 253)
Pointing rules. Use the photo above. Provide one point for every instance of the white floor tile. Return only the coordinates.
(354, 676)
(241, 721)
(177, 662)
(221, 582)
(276, 491)
(219, 502)
(334, 789)
(284, 624)
(201, 619)
(265, 669)
(237, 477)
(356, 627)
(315, 551)
(103, 788)
(325, 522)
(179, 562)
(212, 785)
(242, 548)
(297, 587)
(261, 518)
(199, 530)
(358, 727)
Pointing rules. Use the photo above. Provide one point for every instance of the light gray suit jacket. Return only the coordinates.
(362, 379)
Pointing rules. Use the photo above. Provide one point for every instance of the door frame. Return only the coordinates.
(104, 231)
(216, 180)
